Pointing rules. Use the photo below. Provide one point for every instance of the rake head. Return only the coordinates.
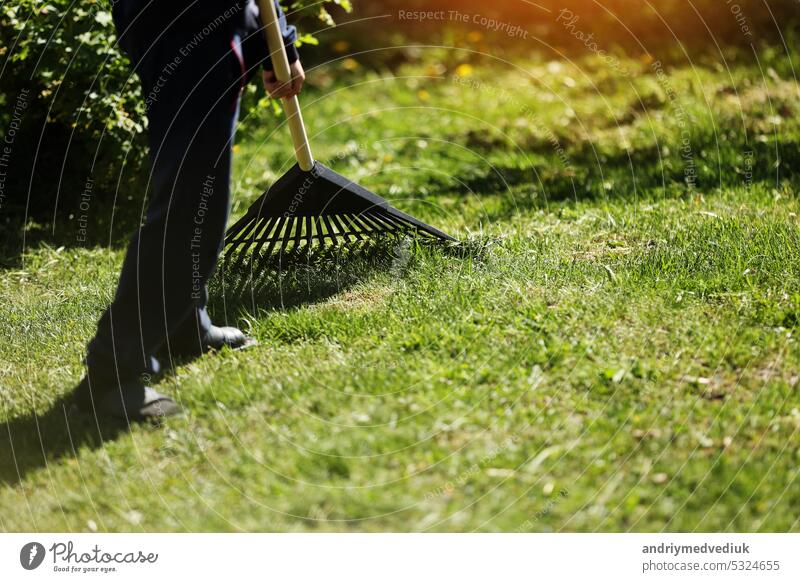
(319, 206)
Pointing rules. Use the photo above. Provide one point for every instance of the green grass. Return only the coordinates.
(612, 350)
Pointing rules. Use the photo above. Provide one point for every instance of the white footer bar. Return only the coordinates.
(401, 557)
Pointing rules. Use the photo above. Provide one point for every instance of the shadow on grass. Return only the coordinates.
(108, 226)
(33, 441)
(245, 282)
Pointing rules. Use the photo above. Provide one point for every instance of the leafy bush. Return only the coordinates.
(83, 114)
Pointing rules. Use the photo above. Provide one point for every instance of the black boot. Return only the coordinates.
(214, 339)
(132, 402)
(219, 337)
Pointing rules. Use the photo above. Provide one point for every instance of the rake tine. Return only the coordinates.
(363, 227)
(398, 222)
(319, 229)
(367, 228)
(367, 221)
(273, 236)
(367, 218)
(237, 228)
(389, 217)
(264, 233)
(232, 235)
(256, 257)
(342, 228)
(235, 259)
(319, 225)
(331, 230)
(251, 230)
(249, 234)
(410, 226)
(377, 223)
(298, 231)
(355, 228)
(348, 228)
(262, 267)
(286, 235)
(309, 232)
(239, 260)
(421, 230)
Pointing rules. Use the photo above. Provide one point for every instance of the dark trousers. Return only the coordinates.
(191, 80)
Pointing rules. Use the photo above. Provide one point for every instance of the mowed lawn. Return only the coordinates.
(613, 348)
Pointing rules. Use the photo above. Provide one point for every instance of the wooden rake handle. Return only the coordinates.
(291, 105)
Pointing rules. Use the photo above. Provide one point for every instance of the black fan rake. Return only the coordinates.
(320, 206)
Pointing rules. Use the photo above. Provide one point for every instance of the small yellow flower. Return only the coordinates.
(350, 64)
(464, 70)
(236, 148)
(388, 158)
(423, 95)
(646, 58)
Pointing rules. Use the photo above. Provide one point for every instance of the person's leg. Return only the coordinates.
(188, 337)
(196, 334)
(173, 254)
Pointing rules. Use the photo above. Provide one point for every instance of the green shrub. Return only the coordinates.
(83, 115)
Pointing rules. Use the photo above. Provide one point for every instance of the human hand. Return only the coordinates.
(278, 90)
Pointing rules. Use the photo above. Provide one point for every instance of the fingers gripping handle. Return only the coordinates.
(291, 105)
